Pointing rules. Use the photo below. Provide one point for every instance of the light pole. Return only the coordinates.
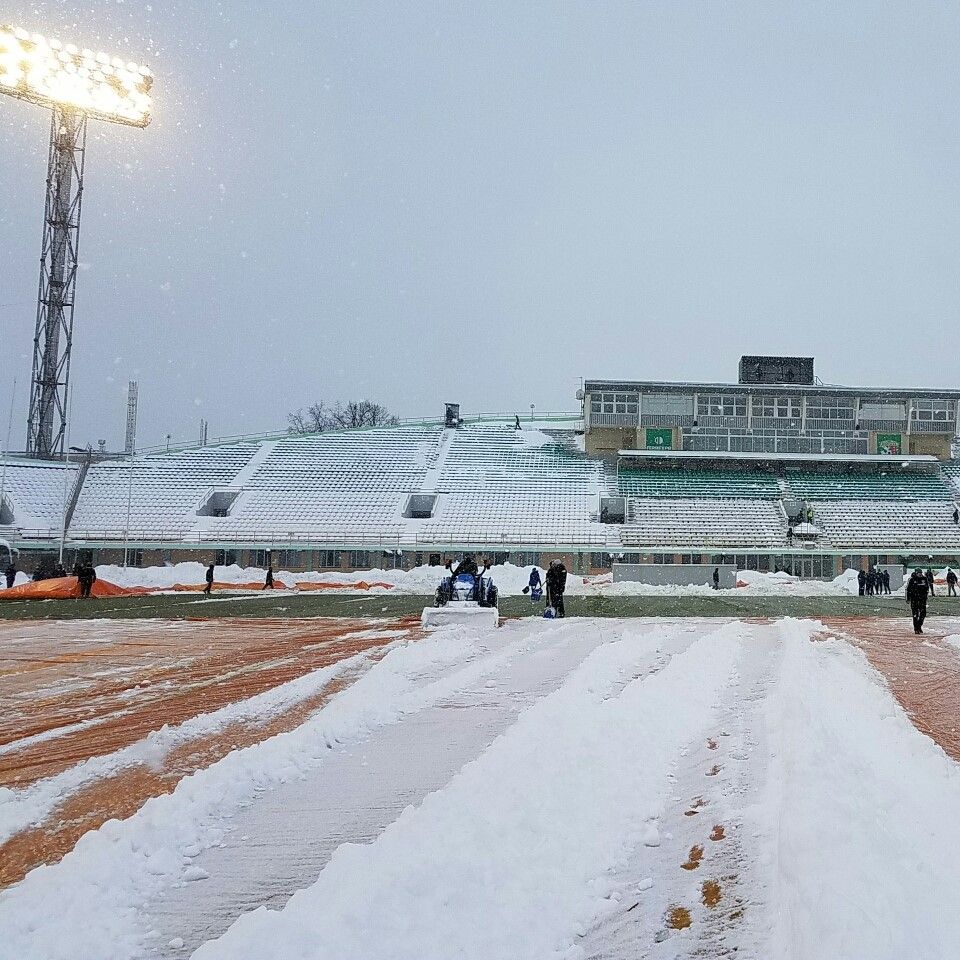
(75, 85)
(126, 526)
(6, 449)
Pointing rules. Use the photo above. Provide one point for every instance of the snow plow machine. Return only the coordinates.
(464, 598)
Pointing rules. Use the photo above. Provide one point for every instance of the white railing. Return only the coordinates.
(141, 536)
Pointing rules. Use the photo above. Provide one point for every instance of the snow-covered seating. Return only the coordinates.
(740, 484)
(495, 516)
(708, 522)
(950, 471)
(894, 485)
(338, 486)
(390, 458)
(323, 515)
(905, 525)
(519, 460)
(36, 494)
(164, 491)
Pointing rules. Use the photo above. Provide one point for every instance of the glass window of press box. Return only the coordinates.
(871, 410)
(720, 405)
(781, 408)
(829, 408)
(613, 403)
(937, 411)
(668, 404)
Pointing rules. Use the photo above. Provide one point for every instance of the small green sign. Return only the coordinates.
(659, 439)
(890, 444)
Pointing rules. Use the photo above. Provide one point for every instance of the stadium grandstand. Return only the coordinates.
(777, 471)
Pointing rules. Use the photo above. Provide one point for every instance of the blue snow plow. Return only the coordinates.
(468, 598)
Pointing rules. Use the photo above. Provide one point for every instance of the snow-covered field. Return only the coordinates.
(575, 789)
(510, 580)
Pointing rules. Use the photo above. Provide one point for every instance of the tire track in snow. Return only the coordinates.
(695, 893)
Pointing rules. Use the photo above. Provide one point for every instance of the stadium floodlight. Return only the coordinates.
(76, 85)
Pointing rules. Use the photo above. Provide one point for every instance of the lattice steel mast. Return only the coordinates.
(76, 85)
(53, 339)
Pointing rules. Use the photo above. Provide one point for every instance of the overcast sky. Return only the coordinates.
(484, 202)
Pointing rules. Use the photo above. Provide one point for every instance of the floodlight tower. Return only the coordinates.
(75, 85)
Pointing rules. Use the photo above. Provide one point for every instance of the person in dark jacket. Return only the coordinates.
(716, 578)
(930, 582)
(916, 594)
(92, 576)
(85, 575)
(268, 583)
(534, 585)
(861, 582)
(467, 565)
(209, 579)
(956, 515)
(885, 578)
(951, 583)
(556, 585)
(10, 573)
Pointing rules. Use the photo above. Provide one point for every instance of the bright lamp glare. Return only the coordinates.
(50, 73)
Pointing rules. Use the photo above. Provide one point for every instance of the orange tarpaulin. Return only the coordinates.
(278, 585)
(359, 585)
(67, 588)
(217, 585)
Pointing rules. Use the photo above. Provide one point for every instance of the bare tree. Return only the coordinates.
(361, 413)
(315, 420)
(341, 416)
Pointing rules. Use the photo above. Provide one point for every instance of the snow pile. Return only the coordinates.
(187, 572)
(509, 859)
(509, 578)
(534, 438)
(20, 579)
(754, 582)
(858, 816)
(423, 580)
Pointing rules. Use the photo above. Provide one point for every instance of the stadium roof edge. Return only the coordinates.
(888, 459)
(12, 460)
(625, 385)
